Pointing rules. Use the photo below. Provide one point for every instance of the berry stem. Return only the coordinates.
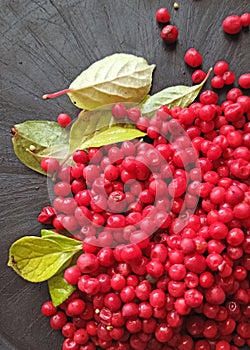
(56, 94)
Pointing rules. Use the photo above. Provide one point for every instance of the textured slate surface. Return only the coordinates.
(44, 45)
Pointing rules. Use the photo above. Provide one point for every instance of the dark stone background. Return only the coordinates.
(44, 45)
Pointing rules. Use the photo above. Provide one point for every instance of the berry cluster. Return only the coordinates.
(169, 33)
(165, 230)
(233, 24)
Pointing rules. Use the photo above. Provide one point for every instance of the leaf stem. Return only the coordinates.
(57, 94)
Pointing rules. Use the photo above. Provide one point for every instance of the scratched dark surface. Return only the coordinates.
(44, 45)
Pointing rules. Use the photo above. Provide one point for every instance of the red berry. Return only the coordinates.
(163, 332)
(162, 15)
(217, 82)
(48, 309)
(193, 58)
(49, 165)
(244, 81)
(58, 320)
(63, 119)
(198, 76)
(169, 34)
(232, 24)
(245, 19)
(221, 67)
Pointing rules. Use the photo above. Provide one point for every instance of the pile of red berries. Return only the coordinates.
(165, 228)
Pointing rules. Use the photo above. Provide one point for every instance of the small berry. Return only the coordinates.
(198, 76)
(244, 81)
(193, 58)
(49, 165)
(169, 34)
(217, 82)
(245, 19)
(63, 119)
(232, 24)
(48, 309)
(221, 67)
(162, 15)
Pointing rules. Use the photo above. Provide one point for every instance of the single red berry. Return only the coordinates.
(130, 310)
(49, 165)
(58, 320)
(245, 19)
(163, 332)
(193, 58)
(48, 309)
(232, 24)
(193, 298)
(87, 263)
(68, 330)
(215, 295)
(70, 344)
(229, 78)
(63, 119)
(47, 215)
(244, 80)
(221, 67)
(198, 76)
(162, 15)
(72, 275)
(80, 156)
(81, 336)
(169, 34)
(119, 111)
(217, 82)
(157, 298)
(76, 307)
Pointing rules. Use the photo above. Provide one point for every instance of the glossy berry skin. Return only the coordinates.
(48, 309)
(198, 76)
(49, 165)
(221, 67)
(244, 81)
(162, 15)
(232, 24)
(169, 34)
(163, 333)
(193, 58)
(70, 344)
(72, 275)
(217, 82)
(63, 119)
(245, 19)
(58, 320)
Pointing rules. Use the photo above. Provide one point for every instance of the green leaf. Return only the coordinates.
(37, 137)
(59, 152)
(179, 95)
(98, 128)
(64, 241)
(59, 289)
(117, 78)
(42, 132)
(37, 259)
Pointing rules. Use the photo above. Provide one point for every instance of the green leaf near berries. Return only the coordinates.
(179, 95)
(64, 241)
(98, 128)
(37, 259)
(36, 137)
(59, 152)
(116, 78)
(59, 289)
